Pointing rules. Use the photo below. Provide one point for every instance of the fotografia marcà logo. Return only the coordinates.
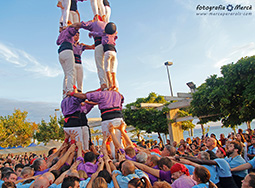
(224, 10)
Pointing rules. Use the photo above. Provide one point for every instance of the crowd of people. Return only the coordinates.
(197, 162)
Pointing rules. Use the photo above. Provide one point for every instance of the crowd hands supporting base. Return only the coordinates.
(118, 162)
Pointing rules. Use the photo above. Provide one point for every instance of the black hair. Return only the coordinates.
(89, 157)
(51, 151)
(106, 175)
(18, 166)
(69, 181)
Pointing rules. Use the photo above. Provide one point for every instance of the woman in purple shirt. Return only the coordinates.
(78, 48)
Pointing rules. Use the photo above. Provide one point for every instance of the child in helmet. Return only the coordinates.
(109, 36)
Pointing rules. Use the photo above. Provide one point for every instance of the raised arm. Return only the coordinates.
(114, 138)
(122, 128)
(63, 159)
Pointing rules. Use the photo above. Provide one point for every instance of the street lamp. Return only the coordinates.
(192, 87)
(168, 63)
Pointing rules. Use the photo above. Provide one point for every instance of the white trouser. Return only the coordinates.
(66, 59)
(79, 76)
(99, 56)
(97, 7)
(65, 12)
(83, 134)
(107, 13)
(73, 17)
(105, 130)
(110, 61)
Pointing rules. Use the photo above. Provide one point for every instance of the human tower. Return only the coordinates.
(75, 104)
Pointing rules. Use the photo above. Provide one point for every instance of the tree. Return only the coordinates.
(15, 130)
(50, 131)
(148, 119)
(229, 98)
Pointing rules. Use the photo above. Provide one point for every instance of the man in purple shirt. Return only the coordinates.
(66, 56)
(75, 110)
(98, 26)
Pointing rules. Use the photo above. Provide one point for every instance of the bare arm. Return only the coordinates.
(241, 167)
(63, 159)
(115, 183)
(89, 47)
(122, 128)
(143, 167)
(78, 95)
(114, 138)
(199, 161)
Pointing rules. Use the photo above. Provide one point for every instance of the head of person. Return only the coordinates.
(52, 151)
(76, 37)
(18, 168)
(201, 174)
(8, 184)
(10, 176)
(174, 144)
(234, 148)
(71, 182)
(210, 143)
(177, 170)
(40, 164)
(152, 160)
(139, 183)
(222, 136)
(26, 172)
(168, 151)
(240, 137)
(99, 182)
(249, 181)
(203, 147)
(73, 172)
(141, 157)
(130, 151)
(213, 135)
(182, 148)
(127, 168)
(5, 170)
(165, 164)
(203, 155)
(161, 184)
(106, 175)
(253, 140)
(221, 152)
(90, 157)
(110, 28)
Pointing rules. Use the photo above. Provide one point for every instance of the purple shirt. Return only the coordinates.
(97, 26)
(184, 182)
(41, 172)
(106, 99)
(88, 167)
(70, 105)
(153, 178)
(66, 35)
(86, 108)
(78, 48)
(165, 176)
(106, 38)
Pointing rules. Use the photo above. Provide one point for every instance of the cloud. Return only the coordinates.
(27, 62)
(237, 53)
(89, 64)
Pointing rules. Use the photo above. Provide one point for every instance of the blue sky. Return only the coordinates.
(150, 33)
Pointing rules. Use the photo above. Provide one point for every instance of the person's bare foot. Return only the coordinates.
(60, 5)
